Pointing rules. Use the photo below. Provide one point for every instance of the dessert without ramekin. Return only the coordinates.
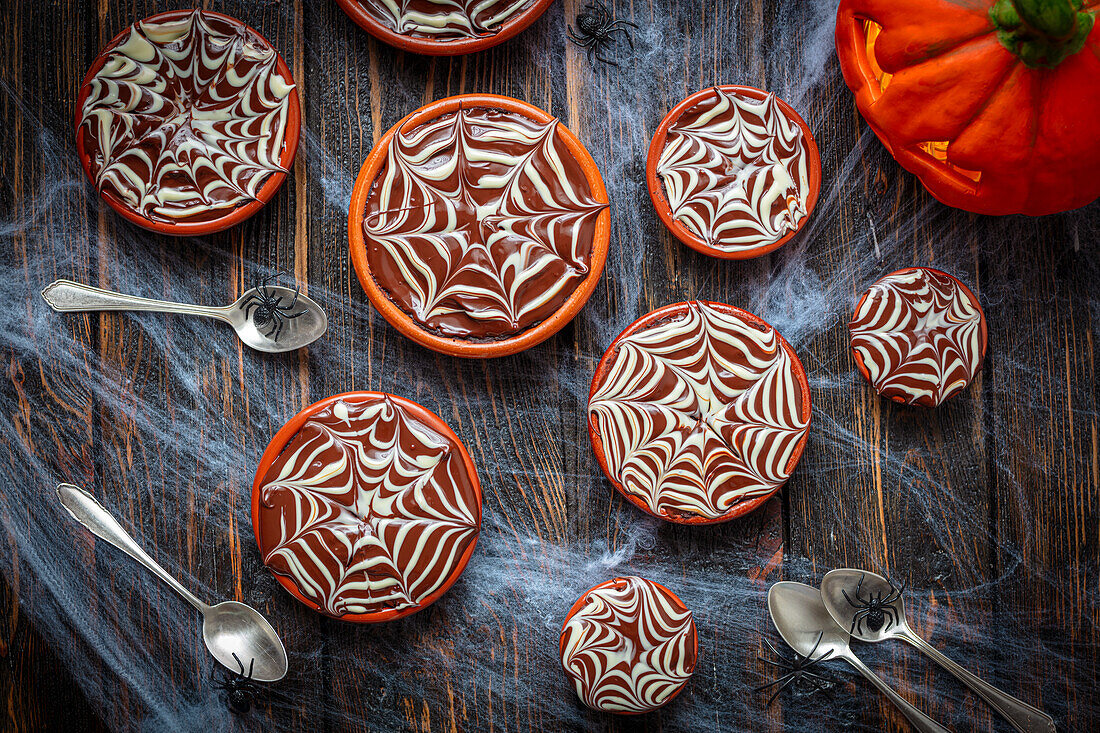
(366, 507)
(918, 336)
(628, 646)
(699, 412)
(478, 226)
(187, 122)
(734, 172)
(444, 27)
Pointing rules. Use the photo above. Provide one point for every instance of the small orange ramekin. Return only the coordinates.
(671, 311)
(286, 434)
(463, 347)
(232, 216)
(866, 373)
(429, 47)
(580, 602)
(657, 191)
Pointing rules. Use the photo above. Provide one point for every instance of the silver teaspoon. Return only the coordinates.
(802, 620)
(268, 318)
(234, 633)
(871, 609)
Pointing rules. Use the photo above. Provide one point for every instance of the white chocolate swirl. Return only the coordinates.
(736, 171)
(367, 509)
(444, 20)
(630, 647)
(699, 412)
(481, 224)
(919, 335)
(187, 118)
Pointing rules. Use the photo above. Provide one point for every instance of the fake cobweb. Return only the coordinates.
(986, 507)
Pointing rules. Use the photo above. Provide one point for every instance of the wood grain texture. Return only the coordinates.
(901, 495)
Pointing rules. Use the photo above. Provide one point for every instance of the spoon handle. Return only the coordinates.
(65, 296)
(920, 722)
(89, 512)
(1023, 717)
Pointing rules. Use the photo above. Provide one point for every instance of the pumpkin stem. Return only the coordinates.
(1042, 32)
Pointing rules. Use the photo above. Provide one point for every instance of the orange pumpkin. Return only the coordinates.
(994, 104)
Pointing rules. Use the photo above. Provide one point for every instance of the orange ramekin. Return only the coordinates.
(429, 47)
(656, 187)
(670, 311)
(287, 433)
(464, 347)
(580, 602)
(232, 216)
(866, 373)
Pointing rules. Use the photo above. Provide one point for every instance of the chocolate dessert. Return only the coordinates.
(698, 411)
(480, 223)
(735, 171)
(918, 336)
(187, 118)
(444, 20)
(367, 509)
(629, 646)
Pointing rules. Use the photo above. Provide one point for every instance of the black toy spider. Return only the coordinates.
(596, 29)
(874, 609)
(240, 689)
(796, 671)
(269, 310)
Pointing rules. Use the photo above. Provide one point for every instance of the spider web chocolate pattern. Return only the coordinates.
(919, 335)
(735, 171)
(444, 20)
(630, 647)
(186, 119)
(699, 413)
(367, 509)
(481, 223)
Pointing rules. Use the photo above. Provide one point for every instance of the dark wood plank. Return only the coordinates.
(54, 415)
(1045, 516)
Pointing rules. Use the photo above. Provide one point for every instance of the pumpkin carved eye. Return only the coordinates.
(871, 30)
(935, 149)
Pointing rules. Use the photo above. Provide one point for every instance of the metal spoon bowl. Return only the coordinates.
(236, 635)
(872, 609)
(865, 604)
(230, 627)
(291, 322)
(802, 620)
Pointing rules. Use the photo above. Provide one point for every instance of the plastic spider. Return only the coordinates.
(596, 31)
(269, 310)
(796, 671)
(240, 689)
(874, 609)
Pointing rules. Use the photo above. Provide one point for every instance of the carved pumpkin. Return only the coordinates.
(994, 104)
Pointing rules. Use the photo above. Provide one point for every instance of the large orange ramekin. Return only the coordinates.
(657, 191)
(672, 311)
(580, 602)
(232, 216)
(287, 433)
(462, 347)
(427, 46)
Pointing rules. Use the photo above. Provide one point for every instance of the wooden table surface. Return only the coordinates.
(987, 507)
